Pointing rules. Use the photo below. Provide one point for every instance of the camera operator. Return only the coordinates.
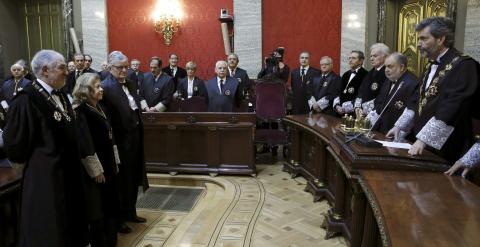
(274, 67)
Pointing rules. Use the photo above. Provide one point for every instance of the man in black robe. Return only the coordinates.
(400, 88)
(122, 104)
(157, 87)
(41, 132)
(325, 87)
(441, 121)
(371, 84)
(302, 78)
(173, 70)
(351, 80)
(11, 87)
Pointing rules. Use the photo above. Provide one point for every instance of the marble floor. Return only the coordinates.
(269, 210)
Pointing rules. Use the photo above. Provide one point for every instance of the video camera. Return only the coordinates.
(275, 57)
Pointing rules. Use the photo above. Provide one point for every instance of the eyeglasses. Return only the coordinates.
(88, 60)
(121, 67)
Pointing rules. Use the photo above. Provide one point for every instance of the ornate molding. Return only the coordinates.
(382, 15)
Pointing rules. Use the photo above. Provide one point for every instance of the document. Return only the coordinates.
(395, 144)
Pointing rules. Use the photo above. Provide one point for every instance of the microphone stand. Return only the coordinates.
(366, 140)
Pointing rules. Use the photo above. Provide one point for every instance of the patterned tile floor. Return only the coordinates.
(270, 210)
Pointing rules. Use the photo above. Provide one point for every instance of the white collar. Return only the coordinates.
(47, 87)
(224, 80)
(379, 68)
(441, 55)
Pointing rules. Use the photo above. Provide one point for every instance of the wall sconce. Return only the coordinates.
(166, 18)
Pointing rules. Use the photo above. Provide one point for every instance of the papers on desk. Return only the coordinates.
(395, 144)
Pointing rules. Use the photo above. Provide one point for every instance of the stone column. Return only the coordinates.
(472, 30)
(354, 30)
(248, 35)
(95, 30)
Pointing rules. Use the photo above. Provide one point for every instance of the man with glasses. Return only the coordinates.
(324, 87)
(122, 104)
(351, 80)
(301, 81)
(157, 87)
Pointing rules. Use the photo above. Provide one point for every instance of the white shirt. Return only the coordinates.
(49, 90)
(353, 74)
(433, 70)
(232, 72)
(218, 83)
(305, 70)
(190, 88)
(131, 100)
(174, 70)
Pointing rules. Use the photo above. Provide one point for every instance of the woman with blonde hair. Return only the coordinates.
(100, 159)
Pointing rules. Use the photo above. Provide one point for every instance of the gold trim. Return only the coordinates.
(337, 216)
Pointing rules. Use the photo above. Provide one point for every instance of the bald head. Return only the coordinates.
(221, 69)
(17, 71)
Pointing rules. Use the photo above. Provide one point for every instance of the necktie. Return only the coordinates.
(392, 85)
(77, 74)
(233, 73)
(221, 85)
(303, 72)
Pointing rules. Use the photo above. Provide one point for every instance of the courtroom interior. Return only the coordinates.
(255, 123)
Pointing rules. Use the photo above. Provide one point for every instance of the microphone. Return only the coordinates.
(367, 141)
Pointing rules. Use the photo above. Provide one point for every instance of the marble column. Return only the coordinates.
(94, 30)
(354, 29)
(472, 30)
(248, 35)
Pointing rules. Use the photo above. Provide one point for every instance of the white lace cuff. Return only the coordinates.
(358, 103)
(4, 104)
(368, 106)
(336, 101)
(311, 102)
(347, 106)
(92, 165)
(143, 105)
(373, 117)
(160, 107)
(322, 103)
(472, 157)
(435, 133)
(405, 121)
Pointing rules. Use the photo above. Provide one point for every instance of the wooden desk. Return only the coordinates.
(420, 209)
(10, 180)
(319, 153)
(212, 143)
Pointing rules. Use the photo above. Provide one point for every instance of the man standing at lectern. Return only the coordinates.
(223, 91)
(441, 121)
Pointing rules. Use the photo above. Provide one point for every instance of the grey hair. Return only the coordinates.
(116, 56)
(439, 27)
(219, 62)
(330, 60)
(233, 54)
(135, 60)
(400, 58)
(384, 49)
(48, 58)
(191, 65)
(16, 65)
(84, 88)
(360, 54)
(305, 52)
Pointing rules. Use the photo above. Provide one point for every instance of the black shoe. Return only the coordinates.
(123, 228)
(137, 219)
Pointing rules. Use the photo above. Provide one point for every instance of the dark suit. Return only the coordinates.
(371, 84)
(10, 89)
(103, 74)
(199, 88)
(89, 70)
(244, 82)
(181, 73)
(407, 92)
(349, 91)
(327, 87)
(223, 101)
(136, 77)
(301, 88)
(71, 80)
(127, 129)
(157, 91)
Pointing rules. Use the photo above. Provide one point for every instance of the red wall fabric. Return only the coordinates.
(310, 25)
(130, 30)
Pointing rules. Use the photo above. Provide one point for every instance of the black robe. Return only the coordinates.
(371, 84)
(244, 82)
(349, 91)
(226, 100)
(328, 87)
(52, 203)
(199, 88)
(407, 92)
(450, 101)
(181, 73)
(157, 91)
(301, 88)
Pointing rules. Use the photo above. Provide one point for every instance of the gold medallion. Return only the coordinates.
(351, 90)
(325, 84)
(374, 86)
(57, 116)
(195, 88)
(399, 105)
(227, 92)
(448, 67)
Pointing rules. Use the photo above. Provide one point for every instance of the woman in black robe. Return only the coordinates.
(100, 159)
